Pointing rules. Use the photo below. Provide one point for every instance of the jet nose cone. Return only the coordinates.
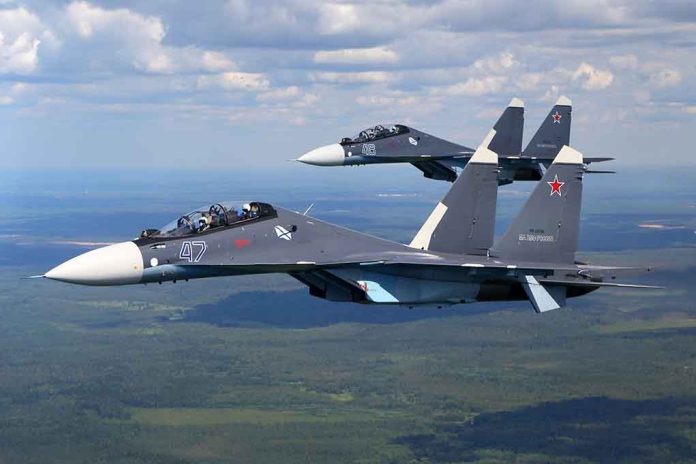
(118, 264)
(328, 155)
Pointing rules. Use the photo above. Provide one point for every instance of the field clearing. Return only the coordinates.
(207, 417)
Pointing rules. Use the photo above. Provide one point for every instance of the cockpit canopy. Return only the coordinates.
(375, 133)
(217, 215)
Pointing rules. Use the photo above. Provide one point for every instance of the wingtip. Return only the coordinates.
(41, 276)
(564, 101)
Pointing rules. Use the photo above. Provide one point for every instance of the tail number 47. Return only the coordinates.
(192, 251)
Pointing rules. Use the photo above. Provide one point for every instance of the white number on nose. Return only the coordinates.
(192, 251)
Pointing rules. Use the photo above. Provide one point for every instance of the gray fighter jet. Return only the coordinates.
(452, 259)
(438, 158)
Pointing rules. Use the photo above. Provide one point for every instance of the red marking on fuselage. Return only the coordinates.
(556, 186)
(241, 243)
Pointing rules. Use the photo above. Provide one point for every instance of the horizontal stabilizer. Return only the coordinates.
(543, 298)
(596, 160)
(600, 172)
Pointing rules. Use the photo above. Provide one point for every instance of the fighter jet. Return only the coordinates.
(452, 259)
(437, 158)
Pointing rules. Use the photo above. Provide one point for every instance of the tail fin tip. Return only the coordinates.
(516, 103)
(568, 155)
(483, 154)
(564, 101)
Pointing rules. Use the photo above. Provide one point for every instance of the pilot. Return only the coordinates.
(204, 222)
(246, 211)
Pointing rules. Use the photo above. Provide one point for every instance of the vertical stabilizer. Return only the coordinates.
(463, 221)
(546, 229)
(508, 130)
(553, 133)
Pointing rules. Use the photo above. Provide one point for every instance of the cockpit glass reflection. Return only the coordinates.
(376, 133)
(210, 217)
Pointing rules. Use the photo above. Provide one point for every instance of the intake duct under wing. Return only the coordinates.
(436, 170)
(323, 284)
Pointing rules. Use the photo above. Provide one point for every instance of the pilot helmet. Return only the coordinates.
(246, 207)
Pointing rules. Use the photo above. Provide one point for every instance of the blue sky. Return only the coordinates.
(243, 83)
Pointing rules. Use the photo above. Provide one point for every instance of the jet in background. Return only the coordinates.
(452, 259)
(438, 158)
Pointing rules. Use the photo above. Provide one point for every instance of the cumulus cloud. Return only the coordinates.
(20, 35)
(374, 55)
(592, 78)
(134, 40)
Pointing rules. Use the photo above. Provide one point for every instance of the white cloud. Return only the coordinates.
(592, 78)
(475, 87)
(88, 20)
(338, 18)
(20, 36)
(352, 77)
(496, 64)
(374, 55)
(216, 61)
(665, 78)
(19, 56)
(134, 40)
(235, 81)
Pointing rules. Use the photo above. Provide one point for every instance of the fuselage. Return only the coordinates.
(334, 262)
(435, 157)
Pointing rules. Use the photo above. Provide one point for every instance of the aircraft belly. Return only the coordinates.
(394, 289)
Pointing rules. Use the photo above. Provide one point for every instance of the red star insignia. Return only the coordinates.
(556, 117)
(556, 186)
(241, 243)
